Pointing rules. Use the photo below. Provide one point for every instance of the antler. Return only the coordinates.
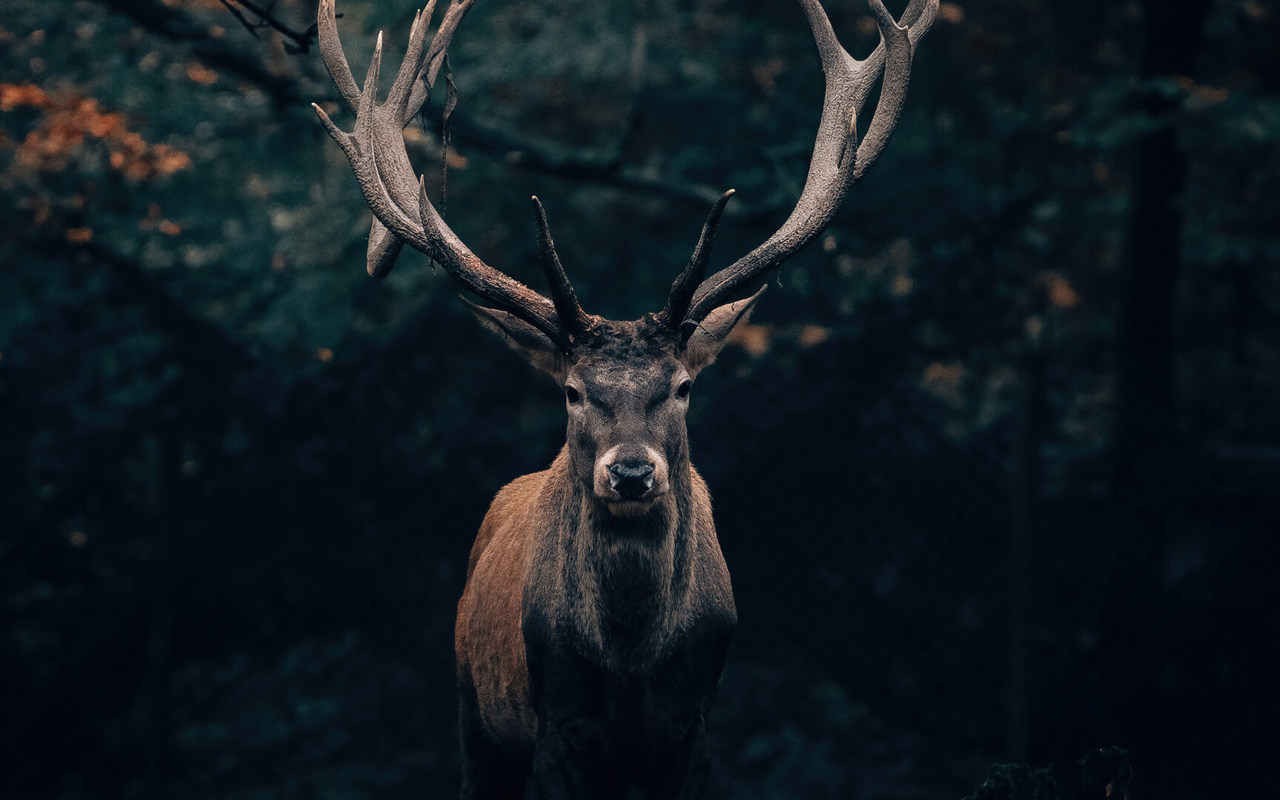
(683, 289)
(839, 159)
(562, 295)
(402, 213)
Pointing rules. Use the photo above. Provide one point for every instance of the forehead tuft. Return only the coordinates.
(637, 346)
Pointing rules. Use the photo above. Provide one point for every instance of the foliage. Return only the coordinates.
(238, 478)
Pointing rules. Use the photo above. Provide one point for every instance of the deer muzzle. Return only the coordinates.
(629, 479)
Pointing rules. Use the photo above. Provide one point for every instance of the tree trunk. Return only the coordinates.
(1146, 440)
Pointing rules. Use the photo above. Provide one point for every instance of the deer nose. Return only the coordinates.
(631, 480)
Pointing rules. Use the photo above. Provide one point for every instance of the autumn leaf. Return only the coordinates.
(950, 12)
(755, 339)
(766, 74)
(455, 159)
(814, 335)
(13, 96)
(201, 74)
(945, 381)
(1058, 290)
(71, 121)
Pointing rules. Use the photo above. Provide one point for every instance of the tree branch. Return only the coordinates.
(178, 26)
(200, 339)
(301, 40)
(606, 164)
(601, 165)
(239, 15)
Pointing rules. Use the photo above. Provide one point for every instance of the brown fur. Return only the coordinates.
(488, 639)
(593, 626)
(597, 612)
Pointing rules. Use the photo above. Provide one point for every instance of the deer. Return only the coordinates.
(597, 611)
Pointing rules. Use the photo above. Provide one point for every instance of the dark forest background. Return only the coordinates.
(996, 466)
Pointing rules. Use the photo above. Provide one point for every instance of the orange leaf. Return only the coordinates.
(200, 73)
(169, 160)
(814, 335)
(945, 381)
(950, 12)
(1059, 290)
(28, 94)
(755, 339)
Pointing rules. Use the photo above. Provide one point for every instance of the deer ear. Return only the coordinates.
(706, 340)
(525, 339)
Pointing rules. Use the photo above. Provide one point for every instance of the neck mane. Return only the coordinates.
(628, 578)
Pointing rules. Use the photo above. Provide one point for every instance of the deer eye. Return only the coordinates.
(572, 395)
(682, 391)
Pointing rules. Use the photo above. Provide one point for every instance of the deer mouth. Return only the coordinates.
(629, 501)
(631, 508)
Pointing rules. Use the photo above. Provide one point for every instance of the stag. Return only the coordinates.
(592, 629)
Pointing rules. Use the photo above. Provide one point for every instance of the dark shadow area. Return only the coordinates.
(996, 465)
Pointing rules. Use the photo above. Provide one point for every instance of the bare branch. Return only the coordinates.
(149, 292)
(302, 40)
(179, 26)
(599, 165)
(238, 14)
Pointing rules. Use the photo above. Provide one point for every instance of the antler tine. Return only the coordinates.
(402, 212)
(687, 283)
(574, 319)
(411, 81)
(384, 248)
(335, 59)
(434, 58)
(917, 19)
(898, 50)
(831, 172)
(398, 97)
(484, 281)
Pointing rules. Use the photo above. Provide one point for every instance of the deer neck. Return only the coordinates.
(629, 577)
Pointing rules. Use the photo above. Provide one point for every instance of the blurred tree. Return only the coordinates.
(237, 478)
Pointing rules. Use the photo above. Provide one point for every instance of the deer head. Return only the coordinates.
(626, 384)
